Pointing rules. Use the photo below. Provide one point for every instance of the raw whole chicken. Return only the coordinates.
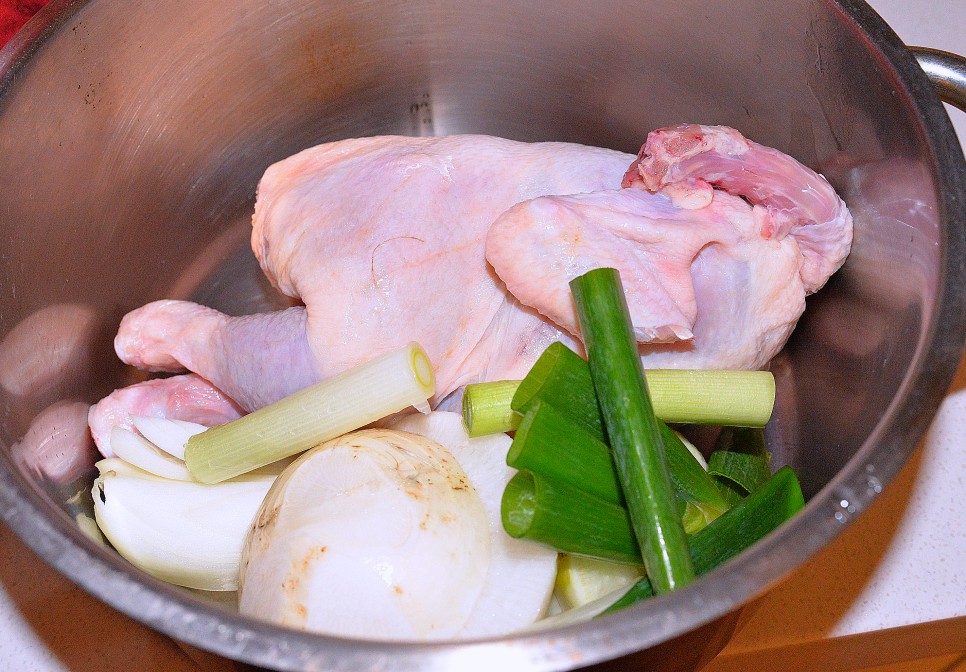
(466, 245)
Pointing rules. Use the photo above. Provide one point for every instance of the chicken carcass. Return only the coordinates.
(466, 244)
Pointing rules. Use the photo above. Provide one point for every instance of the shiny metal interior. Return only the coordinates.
(131, 142)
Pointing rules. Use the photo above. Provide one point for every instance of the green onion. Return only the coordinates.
(581, 579)
(486, 407)
(364, 394)
(691, 482)
(550, 443)
(635, 437)
(697, 516)
(740, 461)
(755, 516)
(561, 378)
(712, 397)
(746, 471)
(567, 518)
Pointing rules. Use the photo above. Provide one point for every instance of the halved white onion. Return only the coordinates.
(183, 532)
(141, 453)
(377, 534)
(168, 434)
(521, 577)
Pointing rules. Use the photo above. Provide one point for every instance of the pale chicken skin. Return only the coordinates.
(466, 245)
(718, 280)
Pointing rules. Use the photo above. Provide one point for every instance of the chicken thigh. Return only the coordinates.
(466, 244)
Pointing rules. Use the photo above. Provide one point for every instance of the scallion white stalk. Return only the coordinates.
(486, 407)
(386, 385)
(712, 397)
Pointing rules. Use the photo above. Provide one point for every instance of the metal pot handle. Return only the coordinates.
(946, 71)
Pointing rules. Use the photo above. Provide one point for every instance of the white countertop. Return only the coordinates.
(900, 565)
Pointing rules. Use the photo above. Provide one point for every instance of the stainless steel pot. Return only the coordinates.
(131, 140)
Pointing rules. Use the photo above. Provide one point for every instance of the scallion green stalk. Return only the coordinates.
(754, 517)
(386, 385)
(747, 472)
(635, 436)
(551, 444)
(560, 377)
(548, 442)
(712, 397)
(567, 518)
(740, 462)
(691, 482)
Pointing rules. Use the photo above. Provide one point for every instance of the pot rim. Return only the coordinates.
(49, 531)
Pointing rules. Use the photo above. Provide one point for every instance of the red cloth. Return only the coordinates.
(14, 13)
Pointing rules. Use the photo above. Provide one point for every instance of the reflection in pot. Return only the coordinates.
(57, 446)
(47, 350)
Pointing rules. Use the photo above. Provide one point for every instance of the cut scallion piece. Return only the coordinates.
(386, 385)
(561, 378)
(549, 443)
(755, 516)
(712, 397)
(567, 518)
(746, 471)
(486, 407)
(691, 482)
(635, 436)
(740, 461)
(581, 579)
